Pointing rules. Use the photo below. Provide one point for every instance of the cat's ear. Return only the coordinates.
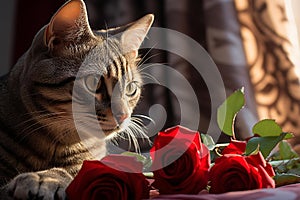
(135, 33)
(68, 24)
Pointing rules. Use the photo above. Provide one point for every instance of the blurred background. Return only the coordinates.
(7, 16)
(254, 43)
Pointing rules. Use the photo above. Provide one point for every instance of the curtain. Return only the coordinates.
(271, 48)
(31, 16)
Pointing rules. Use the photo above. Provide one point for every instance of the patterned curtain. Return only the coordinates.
(269, 37)
(225, 45)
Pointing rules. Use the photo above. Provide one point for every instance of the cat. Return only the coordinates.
(41, 149)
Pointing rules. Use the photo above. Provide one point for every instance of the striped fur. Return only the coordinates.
(37, 130)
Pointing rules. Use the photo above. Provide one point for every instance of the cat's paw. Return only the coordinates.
(45, 185)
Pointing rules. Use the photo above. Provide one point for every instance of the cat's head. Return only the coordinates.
(102, 65)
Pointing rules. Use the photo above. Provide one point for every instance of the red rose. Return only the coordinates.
(114, 177)
(235, 147)
(180, 162)
(264, 168)
(234, 172)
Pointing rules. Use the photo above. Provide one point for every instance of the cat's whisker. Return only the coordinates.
(43, 114)
(148, 76)
(138, 121)
(137, 116)
(32, 113)
(134, 130)
(62, 135)
(39, 117)
(114, 141)
(40, 111)
(140, 130)
(129, 138)
(31, 133)
(31, 124)
(146, 66)
(59, 137)
(120, 136)
(35, 131)
(106, 28)
(132, 139)
(143, 60)
(106, 44)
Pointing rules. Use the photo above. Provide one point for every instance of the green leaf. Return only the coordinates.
(285, 179)
(266, 144)
(147, 161)
(286, 151)
(288, 166)
(227, 111)
(138, 157)
(208, 141)
(148, 174)
(255, 151)
(147, 164)
(289, 136)
(252, 146)
(267, 127)
(293, 166)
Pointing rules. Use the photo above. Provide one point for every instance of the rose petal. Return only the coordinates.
(123, 163)
(235, 147)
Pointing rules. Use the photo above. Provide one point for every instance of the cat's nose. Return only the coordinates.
(121, 117)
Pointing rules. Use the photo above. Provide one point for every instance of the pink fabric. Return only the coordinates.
(288, 192)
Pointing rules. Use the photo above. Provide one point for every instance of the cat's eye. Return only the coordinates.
(131, 89)
(92, 83)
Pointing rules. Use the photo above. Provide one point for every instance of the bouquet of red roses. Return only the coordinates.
(181, 163)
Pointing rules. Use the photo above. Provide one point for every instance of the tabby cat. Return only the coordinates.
(40, 148)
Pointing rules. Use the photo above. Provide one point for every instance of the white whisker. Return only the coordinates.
(143, 60)
(149, 76)
(137, 117)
